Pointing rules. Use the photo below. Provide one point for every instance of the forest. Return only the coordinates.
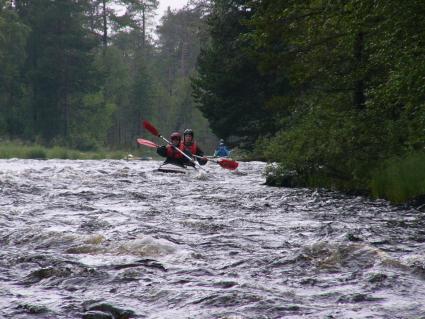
(83, 74)
(330, 92)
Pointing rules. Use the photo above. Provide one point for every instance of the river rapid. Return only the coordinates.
(115, 239)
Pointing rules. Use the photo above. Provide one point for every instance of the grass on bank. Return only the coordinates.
(400, 179)
(16, 150)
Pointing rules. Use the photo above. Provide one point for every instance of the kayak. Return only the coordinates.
(130, 157)
(173, 169)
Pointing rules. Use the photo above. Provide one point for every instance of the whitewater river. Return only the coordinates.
(114, 239)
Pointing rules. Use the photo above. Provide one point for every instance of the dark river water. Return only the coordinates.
(115, 239)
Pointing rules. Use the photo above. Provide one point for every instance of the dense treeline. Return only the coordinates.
(231, 91)
(83, 74)
(330, 89)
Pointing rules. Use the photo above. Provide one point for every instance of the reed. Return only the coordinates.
(400, 179)
(35, 151)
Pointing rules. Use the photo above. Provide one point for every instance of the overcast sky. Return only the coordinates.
(163, 5)
(173, 4)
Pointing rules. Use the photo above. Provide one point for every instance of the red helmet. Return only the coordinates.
(176, 136)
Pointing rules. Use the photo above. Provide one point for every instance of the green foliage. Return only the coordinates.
(400, 179)
(36, 152)
(328, 143)
(231, 92)
(17, 149)
(355, 69)
(172, 102)
(89, 126)
(8, 150)
(180, 36)
(59, 153)
(82, 74)
(59, 65)
(13, 89)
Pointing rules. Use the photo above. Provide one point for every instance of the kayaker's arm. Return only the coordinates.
(201, 160)
(162, 151)
(186, 161)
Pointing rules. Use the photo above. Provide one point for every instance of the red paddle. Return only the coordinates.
(225, 163)
(152, 129)
(147, 143)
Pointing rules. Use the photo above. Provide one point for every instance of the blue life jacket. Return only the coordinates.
(221, 151)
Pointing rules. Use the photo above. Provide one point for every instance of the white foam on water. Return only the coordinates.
(146, 246)
(217, 235)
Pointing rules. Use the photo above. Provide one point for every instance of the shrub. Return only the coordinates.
(400, 179)
(36, 152)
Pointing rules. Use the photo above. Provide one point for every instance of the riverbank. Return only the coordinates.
(399, 180)
(35, 151)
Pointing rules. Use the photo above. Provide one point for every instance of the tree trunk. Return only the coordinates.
(183, 53)
(119, 132)
(105, 25)
(143, 27)
(170, 79)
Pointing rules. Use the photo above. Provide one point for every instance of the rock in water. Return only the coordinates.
(117, 313)
(97, 315)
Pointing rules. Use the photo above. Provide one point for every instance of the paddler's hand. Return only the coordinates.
(202, 160)
(162, 151)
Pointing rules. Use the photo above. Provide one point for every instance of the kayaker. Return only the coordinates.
(190, 147)
(222, 150)
(172, 155)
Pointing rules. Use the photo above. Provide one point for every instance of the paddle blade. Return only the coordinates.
(228, 164)
(147, 143)
(152, 129)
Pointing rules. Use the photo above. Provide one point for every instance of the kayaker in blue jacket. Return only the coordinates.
(221, 150)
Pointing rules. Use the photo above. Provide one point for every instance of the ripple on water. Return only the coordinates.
(213, 245)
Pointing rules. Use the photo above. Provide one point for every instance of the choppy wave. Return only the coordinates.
(80, 238)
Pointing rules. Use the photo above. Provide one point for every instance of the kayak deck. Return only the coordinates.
(173, 171)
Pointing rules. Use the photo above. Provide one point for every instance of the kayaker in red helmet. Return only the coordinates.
(172, 155)
(190, 147)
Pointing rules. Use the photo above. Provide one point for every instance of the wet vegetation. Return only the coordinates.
(330, 90)
(401, 179)
(34, 151)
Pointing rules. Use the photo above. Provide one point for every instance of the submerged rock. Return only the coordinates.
(284, 179)
(357, 297)
(352, 237)
(107, 309)
(374, 278)
(97, 315)
(150, 263)
(44, 273)
(33, 309)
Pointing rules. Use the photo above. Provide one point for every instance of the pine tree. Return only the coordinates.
(229, 88)
(13, 36)
(60, 63)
